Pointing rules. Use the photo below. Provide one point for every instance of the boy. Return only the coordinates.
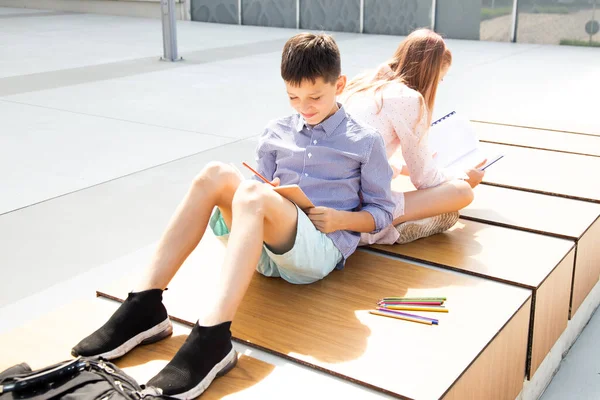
(323, 150)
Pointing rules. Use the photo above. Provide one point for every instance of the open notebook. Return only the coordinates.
(296, 195)
(454, 140)
(293, 193)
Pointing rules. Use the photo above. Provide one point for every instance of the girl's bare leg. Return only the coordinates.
(445, 198)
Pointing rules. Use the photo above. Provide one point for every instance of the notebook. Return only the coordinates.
(454, 140)
(293, 193)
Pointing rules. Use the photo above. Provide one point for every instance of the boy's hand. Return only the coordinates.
(275, 182)
(325, 219)
(475, 174)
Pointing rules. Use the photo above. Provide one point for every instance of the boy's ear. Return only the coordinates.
(340, 84)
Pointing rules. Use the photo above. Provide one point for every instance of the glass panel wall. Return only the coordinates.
(277, 13)
(396, 17)
(332, 15)
(558, 22)
(496, 20)
(475, 19)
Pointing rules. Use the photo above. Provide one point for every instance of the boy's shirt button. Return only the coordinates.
(309, 155)
(315, 142)
(305, 174)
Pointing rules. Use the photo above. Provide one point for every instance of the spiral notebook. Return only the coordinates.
(454, 140)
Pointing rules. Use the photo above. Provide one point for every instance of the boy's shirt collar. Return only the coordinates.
(329, 125)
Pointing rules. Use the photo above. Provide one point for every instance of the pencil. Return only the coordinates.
(402, 317)
(435, 321)
(417, 308)
(415, 298)
(257, 174)
(412, 303)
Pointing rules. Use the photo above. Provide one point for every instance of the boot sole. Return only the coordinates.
(152, 335)
(223, 367)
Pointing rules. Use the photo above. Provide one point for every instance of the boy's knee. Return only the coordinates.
(216, 173)
(251, 196)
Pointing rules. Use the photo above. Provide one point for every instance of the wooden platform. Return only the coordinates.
(564, 142)
(543, 171)
(549, 215)
(326, 325)
(72, 323)
(522, 253)
(540, 263)
(547, 174)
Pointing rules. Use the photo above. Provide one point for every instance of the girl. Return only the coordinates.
(397, 99)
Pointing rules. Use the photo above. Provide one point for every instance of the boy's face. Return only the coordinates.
(315, 101)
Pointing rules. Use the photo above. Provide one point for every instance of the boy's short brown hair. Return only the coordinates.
(310, 56)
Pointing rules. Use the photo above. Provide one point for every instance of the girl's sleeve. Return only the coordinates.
(409, 119)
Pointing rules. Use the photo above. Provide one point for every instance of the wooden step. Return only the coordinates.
(540, 263)
(327, 326)
(55, 334)
(565, 142)
(549, 215)
(547, 172)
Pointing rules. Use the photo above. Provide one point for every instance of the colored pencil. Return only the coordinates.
(417, 308)
(409, 301)
(402, 317)
(413, 303)
(257, 174)
(415, 298)
(407, 314)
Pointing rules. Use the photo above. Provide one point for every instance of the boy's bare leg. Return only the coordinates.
(259, 215)
(143, 318)
(214, 186)
(445, 198)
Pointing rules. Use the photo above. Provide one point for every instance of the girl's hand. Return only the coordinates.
(475, 174)
(325, 219)
(275, 182)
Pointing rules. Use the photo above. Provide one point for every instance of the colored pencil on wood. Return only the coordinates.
(402, 317)
(435, 321)
(415, 298)
(410, 301)
(414, 303)
(417, 308)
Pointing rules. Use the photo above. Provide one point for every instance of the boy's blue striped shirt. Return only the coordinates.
(332, 162)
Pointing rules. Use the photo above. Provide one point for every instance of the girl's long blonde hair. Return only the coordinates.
(418, 63)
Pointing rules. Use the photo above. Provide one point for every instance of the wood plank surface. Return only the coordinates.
(506, 255)
(551, 311)
(532, 212)
(326, 325)
(567, 175)
(68, 325)
(493, 252)
(56, 333)
(578, 220)
(566, 142)
(587, 266)
(492, 369)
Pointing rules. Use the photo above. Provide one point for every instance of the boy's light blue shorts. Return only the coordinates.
(312, 258)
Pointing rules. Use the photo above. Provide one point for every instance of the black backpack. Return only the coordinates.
(81, 378)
